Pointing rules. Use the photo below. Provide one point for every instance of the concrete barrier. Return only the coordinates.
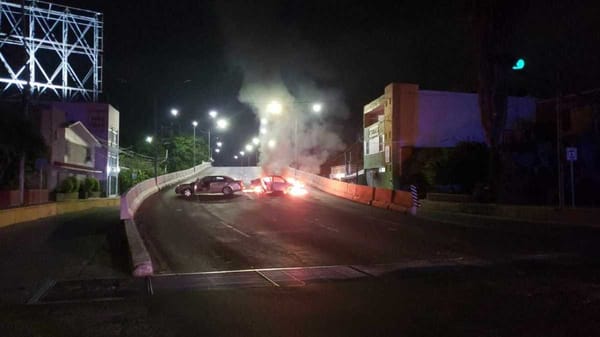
(363, 194)
(382, 198)
(132, 200)
(401, 201)
(140, 258)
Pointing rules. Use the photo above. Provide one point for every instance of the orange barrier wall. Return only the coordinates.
(363, 194)
(382, 198)
(401, 201)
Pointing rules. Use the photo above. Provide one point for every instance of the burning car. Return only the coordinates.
(276, 185)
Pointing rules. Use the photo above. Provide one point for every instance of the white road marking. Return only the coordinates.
(329, 228)
(234, 229)
(266, 278)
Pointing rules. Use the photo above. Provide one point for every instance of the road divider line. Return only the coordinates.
(266, 278)
(234, 229)
(329, 228)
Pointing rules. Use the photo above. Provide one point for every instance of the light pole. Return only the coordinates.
(194, 124)
(249, 149)
(276, 108)
(241, 158)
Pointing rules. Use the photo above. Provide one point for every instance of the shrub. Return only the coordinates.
(96, 187)
(90, 184)
(69, 185)
(66, 186)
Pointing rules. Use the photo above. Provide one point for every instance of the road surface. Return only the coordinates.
(217, 233)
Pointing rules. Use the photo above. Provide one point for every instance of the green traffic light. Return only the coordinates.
(520, 64)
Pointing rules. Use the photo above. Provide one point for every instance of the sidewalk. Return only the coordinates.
(465, 212)
(86, 244)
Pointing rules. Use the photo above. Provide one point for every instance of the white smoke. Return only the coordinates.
(275, 70)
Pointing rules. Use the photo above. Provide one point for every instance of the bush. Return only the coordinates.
(96, 187)
(65, 186)
(90, 184)
(69, 185)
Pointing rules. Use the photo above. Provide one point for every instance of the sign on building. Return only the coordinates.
(571, 154)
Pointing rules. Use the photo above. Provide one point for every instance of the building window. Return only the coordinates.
(375, 145)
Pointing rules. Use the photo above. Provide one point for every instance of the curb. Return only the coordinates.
(140, 258)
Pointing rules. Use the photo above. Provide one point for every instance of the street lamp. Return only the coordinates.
(217, 150)
(219, 144)
(222, 123)
(149, 139)
(213, 113)
(194, 124)
(317, 107)
(255, 140)
(274, 107)
(174, 112)
(271, 144)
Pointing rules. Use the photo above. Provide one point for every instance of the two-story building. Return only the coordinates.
(405, 117)
(84, 141)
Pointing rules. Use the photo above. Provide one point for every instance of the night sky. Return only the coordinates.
(196, 55)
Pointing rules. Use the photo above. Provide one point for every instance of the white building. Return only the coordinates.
(83, 140)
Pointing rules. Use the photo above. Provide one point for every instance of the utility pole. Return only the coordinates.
(28, 60)
(157, 140)
(209, 149)
(560, 182)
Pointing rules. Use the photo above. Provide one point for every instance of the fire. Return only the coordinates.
(298, 188)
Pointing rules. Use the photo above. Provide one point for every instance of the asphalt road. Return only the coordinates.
(216, 233)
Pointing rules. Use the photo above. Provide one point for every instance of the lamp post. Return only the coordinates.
(194, 124)
(276, 108)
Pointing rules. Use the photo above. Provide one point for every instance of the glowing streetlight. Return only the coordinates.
(174, 112)
(219, 144)
(149, 139)
(194, 124)
(271, 143)
(217, 150)
(242, 153)
(213, 113)
(263, 130)
(263, 121)
(249, 147)
(222, 124)
(317, 107)
(235, 157)
(255, 140)
(274, 108)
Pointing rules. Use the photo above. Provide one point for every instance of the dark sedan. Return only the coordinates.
(210, 184)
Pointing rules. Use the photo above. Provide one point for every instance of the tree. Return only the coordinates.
(494, 65)
(17, 136)
(181, 152)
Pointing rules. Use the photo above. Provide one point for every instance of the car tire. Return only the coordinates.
(187, 193)
(227, 190)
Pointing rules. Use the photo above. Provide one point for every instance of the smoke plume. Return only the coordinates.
(282, 81)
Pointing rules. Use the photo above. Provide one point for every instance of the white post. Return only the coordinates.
(572, 187)
(194, 148)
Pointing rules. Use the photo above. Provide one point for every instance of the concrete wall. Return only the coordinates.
(13, 216)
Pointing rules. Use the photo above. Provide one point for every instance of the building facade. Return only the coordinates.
(101, 121)
(405, 117)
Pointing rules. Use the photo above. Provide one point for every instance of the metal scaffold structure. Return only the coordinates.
(52, 50)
